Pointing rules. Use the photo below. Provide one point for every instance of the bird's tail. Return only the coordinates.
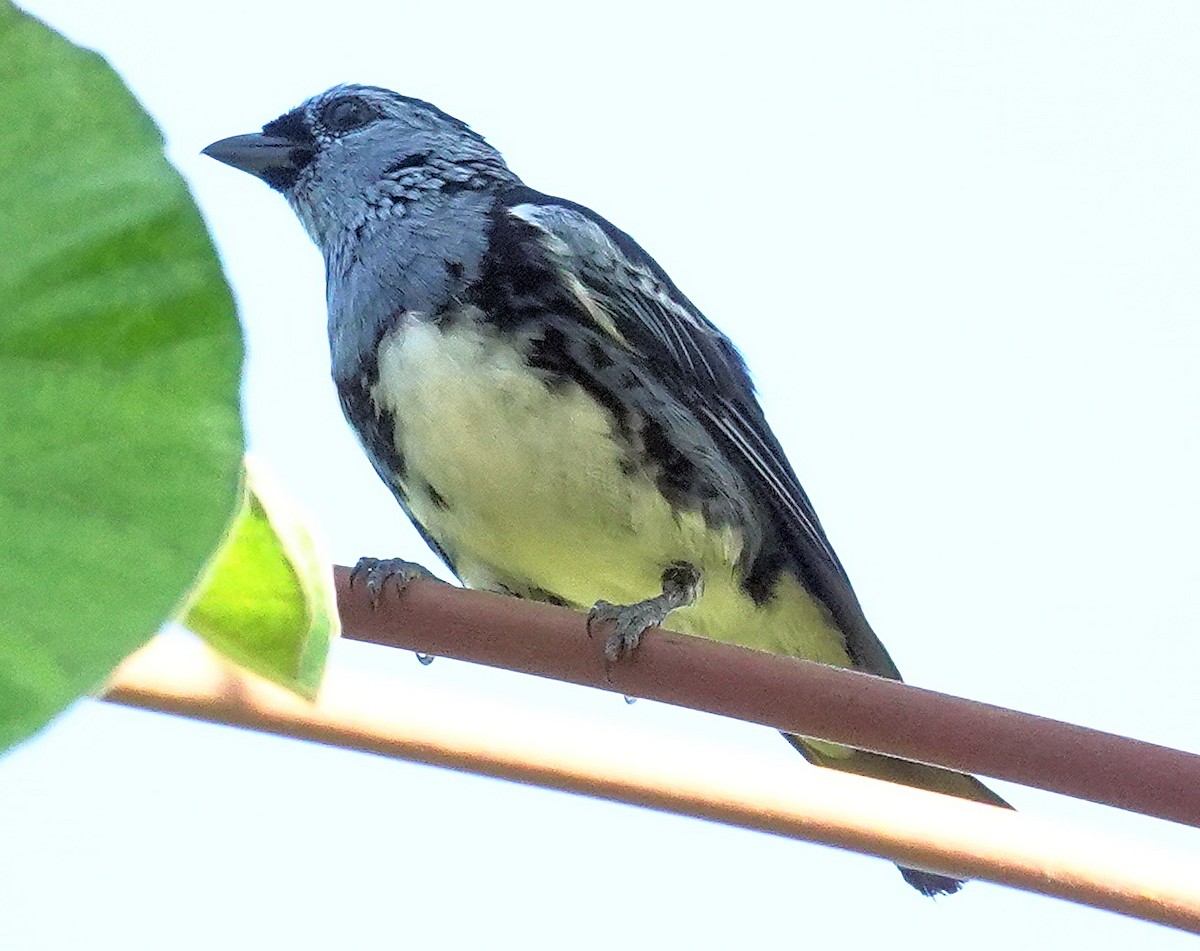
(907, 773)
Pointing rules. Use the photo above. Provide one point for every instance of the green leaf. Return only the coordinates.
(267, 601)
(120, 355)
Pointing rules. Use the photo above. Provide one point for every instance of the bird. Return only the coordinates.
(556, 418)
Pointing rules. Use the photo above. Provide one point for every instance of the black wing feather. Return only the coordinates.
(706, 373)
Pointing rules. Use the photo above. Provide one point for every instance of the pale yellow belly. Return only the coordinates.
(531, 493)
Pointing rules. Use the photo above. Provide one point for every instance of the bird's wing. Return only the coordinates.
(632, 299)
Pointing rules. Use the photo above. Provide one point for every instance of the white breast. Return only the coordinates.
(534, 494)
(531, 476)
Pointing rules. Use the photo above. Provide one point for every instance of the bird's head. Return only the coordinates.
(355, 154)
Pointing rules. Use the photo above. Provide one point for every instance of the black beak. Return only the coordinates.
(274, 159)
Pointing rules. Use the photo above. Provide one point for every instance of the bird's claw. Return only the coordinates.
(681, 584)
(630, 622)
(377, 572)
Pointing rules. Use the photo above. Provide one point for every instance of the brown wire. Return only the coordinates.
(792, 695)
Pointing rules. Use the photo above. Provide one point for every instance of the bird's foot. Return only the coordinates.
(681, 587)
(376, 572)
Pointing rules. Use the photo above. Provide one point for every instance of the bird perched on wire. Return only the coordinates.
(557, 419)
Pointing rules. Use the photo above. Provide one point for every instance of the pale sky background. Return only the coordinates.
(957, 244)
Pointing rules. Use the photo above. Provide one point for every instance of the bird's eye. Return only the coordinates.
(342, 115)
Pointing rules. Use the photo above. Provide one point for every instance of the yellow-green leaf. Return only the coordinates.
(267, 600)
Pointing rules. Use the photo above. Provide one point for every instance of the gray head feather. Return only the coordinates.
(368, 153)
(396, 194)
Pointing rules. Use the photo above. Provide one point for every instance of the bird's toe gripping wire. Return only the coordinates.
(681, 584)
(376, 572)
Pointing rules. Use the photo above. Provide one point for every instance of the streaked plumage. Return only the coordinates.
(555, 416)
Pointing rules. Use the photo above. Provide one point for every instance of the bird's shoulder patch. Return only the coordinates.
(524, 277)
(625, 283)
(562, 255)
